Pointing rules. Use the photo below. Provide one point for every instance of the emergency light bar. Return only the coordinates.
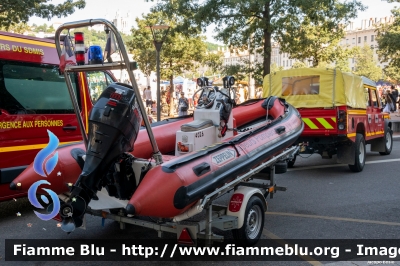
(79, 48)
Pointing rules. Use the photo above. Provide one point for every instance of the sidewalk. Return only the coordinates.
(395, 119)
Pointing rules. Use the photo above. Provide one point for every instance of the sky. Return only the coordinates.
(103, 9)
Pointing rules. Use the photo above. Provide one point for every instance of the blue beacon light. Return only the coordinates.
(95, 55)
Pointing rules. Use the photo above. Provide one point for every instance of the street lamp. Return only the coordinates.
(159, 33)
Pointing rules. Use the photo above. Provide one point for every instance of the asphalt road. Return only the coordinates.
(323, 200)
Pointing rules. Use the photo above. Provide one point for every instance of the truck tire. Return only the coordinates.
(291, 162)
(253, 223)
(388, 142)
(359, 160)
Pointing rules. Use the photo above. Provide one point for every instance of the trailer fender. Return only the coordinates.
(238, 202)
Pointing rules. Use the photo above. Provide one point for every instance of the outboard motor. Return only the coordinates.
(114, 124)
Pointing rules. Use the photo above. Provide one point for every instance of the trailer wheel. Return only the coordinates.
(281, 167)
(292, 161)
(359, 160)
(253, 224)
(388, 142)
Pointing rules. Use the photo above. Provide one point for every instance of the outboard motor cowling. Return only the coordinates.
(114, 124)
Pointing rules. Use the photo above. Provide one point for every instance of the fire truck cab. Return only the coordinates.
(342, 113)
(33, 98)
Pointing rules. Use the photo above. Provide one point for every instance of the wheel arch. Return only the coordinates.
(361, 129)
(247, 193)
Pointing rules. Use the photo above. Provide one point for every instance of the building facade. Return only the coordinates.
(355, 35)
(364, 34)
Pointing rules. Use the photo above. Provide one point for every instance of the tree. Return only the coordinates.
(14, 12)
(299, 64)
(234, 70)
(213, 61)
(318, 42)
(365, 63)
(275, 68)
(343, 64)
(178, 54)
(388, 38)
(261, 20)
(20, 28)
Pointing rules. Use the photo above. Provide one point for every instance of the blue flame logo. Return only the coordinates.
(44, 167)
(44, 153)
(32, 198)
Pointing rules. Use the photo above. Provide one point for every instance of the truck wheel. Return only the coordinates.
(388, 142)
(359, 160)
(291, 162)
(253, 223)
(281, 167)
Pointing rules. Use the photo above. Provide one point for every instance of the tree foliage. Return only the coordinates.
(388, 39)
(264, 20)
(299, 64)
(20, 28)
(178, 54)
(365, 63)
(234, 70)
(214, 61)
(316, 36)
(16, 11)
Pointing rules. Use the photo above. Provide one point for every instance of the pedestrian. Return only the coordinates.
(259, 93)
(246, 93)
(190, 98)
(389, 107)
(395, 95)
(183, 105)
(148, 99)
(154, 108)
(241, 93)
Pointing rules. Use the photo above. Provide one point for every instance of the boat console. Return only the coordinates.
(212, 119)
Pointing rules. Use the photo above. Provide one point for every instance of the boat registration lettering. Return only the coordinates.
(199, 134)
(224, 157)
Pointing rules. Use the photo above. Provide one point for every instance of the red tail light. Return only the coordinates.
(341, 120)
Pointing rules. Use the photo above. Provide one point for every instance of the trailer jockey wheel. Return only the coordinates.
(253, 223)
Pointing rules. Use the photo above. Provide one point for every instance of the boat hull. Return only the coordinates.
(68, 169)
(181, 182)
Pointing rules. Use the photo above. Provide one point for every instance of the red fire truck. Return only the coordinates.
(342, 113)
(34, 98)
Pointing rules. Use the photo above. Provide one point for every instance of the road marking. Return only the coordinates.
(333, 218)
(340, 165)
(282, 242)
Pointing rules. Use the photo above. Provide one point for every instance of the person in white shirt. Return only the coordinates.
(148, 99)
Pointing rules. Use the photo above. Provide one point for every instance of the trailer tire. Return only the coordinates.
(388, 142)
(359, 160)
(291, 162)
(253, 224)
(281, 167)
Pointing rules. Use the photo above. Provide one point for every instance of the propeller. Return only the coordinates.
(72, 214)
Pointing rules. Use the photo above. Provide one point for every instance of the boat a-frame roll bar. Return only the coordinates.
(125, 64)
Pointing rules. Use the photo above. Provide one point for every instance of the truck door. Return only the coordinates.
(374, 110)
(33, 99)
